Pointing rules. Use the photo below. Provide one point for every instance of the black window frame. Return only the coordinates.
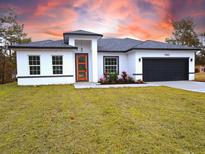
(57, 65)
(34, 63)
(117, 60)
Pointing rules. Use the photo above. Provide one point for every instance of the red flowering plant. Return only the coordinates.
(112, 78)
(124, 76)
(105, 78)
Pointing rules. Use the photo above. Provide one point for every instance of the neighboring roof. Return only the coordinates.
(46, 44)
(116, 44)
(82, 32)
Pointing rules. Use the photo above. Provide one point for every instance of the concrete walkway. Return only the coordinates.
(84, 85)
(185, 85)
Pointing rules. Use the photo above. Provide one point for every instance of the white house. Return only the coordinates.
(2, 42)
(202, 39)
(84, 57)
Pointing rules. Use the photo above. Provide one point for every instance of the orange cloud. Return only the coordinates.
(144, 19)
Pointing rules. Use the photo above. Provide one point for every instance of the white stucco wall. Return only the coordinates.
(128, 62)
(140, 54)
(91, 49)
(131, 62)
(45, 67)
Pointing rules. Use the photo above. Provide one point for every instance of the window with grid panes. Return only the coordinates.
(111, 65)
(34, 65)
(57, 62)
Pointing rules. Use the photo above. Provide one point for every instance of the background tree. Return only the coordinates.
(200, 57)
(184, 34)
(11, 32)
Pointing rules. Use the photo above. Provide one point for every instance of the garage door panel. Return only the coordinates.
(164, 69)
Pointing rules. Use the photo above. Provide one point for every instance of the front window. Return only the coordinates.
(34, 65)
(111, 65)
(57, 62)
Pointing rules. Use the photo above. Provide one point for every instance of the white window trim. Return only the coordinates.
(117, 65)
(57, 65)
(33, 65)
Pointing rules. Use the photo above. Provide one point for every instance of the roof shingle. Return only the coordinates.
(107, 44)
(45, 44)
(116, 44)
(149, 44)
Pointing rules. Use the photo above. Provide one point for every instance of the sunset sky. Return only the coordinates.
(141, 19)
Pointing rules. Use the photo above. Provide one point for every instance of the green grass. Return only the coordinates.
(61, 119)
(200, 77)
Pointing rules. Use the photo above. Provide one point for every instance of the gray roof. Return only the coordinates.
(107, 44)
(149, 44)
(116, 44)
(127, 44)
(82, 32)
(45, 44)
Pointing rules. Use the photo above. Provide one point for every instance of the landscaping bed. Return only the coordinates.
(114, 78)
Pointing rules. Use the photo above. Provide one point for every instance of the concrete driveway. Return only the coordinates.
(185, 85)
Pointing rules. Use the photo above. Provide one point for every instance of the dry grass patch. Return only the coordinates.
(200, 77)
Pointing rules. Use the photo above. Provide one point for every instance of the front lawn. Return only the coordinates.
(200, 77)
(61, 119)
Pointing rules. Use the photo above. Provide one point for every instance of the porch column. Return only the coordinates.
(94, 59)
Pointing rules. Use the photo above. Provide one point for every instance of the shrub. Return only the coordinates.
(140, 81)
(106, 75)
(124, 76)
(102, 80)
(130, 79)
(197, 70)
(113, 78)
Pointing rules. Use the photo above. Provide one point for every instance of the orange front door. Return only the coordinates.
(81, 67)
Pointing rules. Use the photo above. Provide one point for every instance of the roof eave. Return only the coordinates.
(83, 34)
(110, 51)
(162, 49)
(26, 47)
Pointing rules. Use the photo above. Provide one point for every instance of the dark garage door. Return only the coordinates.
(165, 69)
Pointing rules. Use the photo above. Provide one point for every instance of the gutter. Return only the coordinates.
(26, 47)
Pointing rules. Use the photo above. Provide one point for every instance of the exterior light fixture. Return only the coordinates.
(191, 59)
(139, 59)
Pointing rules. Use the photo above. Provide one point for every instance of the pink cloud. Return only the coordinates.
(50, 18)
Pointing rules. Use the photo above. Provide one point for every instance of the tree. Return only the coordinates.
(203, 34)
(200, 57)
(11, 32)
(184, 33)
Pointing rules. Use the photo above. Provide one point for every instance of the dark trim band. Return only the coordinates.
(155, 58)
(46, 76)
(160, 49)
(111, 51)
(191, 72)
(137, 74)
(83, 34)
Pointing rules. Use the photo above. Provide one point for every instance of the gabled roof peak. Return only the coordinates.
(83, 32)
